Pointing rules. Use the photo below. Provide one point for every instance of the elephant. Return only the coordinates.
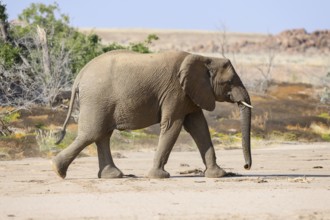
(128, 90)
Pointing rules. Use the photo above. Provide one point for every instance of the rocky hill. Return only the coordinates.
(292, 41)
(289, 41)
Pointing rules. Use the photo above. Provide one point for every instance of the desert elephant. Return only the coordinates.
(127, 90)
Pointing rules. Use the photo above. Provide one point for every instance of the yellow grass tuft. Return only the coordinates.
(320, 128)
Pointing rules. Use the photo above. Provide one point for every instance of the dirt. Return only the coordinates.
(287, 181)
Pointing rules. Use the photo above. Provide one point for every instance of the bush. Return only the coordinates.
(113, 46)
(140, 47)
(9, 55)
(42, 57)
(60, 36)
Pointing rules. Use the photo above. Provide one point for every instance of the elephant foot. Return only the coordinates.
(110, 172)
(158, 174)
(214, 172)
(59, 169)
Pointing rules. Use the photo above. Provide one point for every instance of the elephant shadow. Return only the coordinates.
(233, 176)
(237, 175)
(261, 176)
(299, 175)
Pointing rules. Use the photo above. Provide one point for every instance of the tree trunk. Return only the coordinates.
(45, 54)
(3, 31)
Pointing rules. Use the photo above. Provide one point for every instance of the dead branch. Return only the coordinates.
(43, 73)
(223, 40)
(45, 54)
(266, 68)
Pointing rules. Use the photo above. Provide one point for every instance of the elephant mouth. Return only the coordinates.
(230, 98)
(245, 104)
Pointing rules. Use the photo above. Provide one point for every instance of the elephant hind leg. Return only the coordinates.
(108, 168)
(62, 160)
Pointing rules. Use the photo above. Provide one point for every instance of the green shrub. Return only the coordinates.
(11, 117)
(325, 137)
(143, 47)
(140, 47)
(113, 46)
(9, 55)
(324, 115)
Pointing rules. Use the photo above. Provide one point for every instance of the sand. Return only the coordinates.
(287, 181)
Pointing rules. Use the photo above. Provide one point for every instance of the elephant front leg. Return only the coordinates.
(195, 124)
(108, 168)
(169, 134)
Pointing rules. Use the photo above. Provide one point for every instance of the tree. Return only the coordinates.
(41, 57)
(3, 22)
(8, 53)
(266, 68)
(59, 34)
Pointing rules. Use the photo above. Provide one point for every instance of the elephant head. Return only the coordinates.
(206, 80)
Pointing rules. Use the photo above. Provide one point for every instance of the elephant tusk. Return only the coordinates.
(247, 105)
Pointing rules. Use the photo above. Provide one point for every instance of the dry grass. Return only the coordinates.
(259, 121)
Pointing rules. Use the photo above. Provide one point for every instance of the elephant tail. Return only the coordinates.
(72, 99)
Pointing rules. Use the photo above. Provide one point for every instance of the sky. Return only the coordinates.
(254, 16)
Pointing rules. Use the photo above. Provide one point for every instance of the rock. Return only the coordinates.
(295, 40)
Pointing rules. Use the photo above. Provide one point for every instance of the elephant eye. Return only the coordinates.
(211, 74)
(226, 65)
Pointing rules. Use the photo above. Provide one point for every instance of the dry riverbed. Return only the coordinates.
(287, 181)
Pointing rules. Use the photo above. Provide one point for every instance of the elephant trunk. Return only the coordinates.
(240, 95)
(245, 112)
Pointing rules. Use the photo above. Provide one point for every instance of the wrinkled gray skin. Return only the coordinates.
(126, 90)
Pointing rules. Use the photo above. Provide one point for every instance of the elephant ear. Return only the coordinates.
(195, 80)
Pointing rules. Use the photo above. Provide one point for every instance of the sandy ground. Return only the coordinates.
(288, 181)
